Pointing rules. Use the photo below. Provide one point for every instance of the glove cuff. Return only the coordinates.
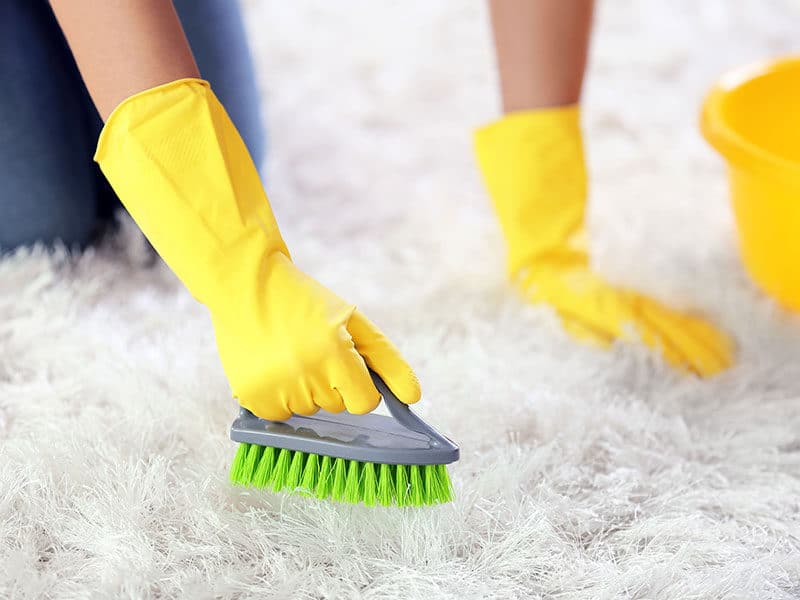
(180, 167)
(534, 170)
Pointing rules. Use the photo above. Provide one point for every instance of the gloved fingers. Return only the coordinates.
(707, 349)
(654, 336)
(585, 330)
(704, 350)
(302, 402)
(384, 358)
(582, 320)
(713, 349)
(590, 309)
(272, 409)
(717, 341)
(327, 398)
(352, 381)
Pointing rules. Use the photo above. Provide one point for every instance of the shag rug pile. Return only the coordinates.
(584, 473)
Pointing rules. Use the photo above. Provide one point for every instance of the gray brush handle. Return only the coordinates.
(399, 411)
(399, 439)
(402, 413)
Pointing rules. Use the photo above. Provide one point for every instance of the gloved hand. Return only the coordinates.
(287, 344)
(304, 345)
(534, 169)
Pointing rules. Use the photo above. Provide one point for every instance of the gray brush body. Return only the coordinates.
(402, 439)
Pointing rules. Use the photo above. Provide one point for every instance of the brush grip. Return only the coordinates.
(397, 409)
(402, 413)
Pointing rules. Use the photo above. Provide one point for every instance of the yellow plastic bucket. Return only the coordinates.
(752, 117)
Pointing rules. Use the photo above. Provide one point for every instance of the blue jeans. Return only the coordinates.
(50, 188)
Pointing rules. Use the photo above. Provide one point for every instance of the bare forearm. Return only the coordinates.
(124, 46)
(541, 50)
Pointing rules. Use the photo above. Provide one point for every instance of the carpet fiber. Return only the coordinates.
(584, 474)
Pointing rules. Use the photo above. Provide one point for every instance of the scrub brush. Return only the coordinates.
(370, 459)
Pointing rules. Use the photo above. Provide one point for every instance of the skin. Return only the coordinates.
(541, 48)
(124, 46)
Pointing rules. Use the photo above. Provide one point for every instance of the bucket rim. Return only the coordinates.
(734, 147)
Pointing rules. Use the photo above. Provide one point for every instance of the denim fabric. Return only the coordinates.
(50, 189)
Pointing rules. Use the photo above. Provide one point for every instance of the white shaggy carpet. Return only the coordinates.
(584, 474)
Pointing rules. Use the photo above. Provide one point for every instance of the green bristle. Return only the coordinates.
(296, 470)
(433, 487)
(237, 466)
(339, 477)
(351, 491)
(385, 485)
(446, 494)
(369, 484)
(416, 492)
(263, 472)
(325, 477)
(251, 462)
(401, 485)
(310, 474)
(281, 471)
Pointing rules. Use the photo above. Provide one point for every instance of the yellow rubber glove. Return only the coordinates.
(287, 344)
(534, 170)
